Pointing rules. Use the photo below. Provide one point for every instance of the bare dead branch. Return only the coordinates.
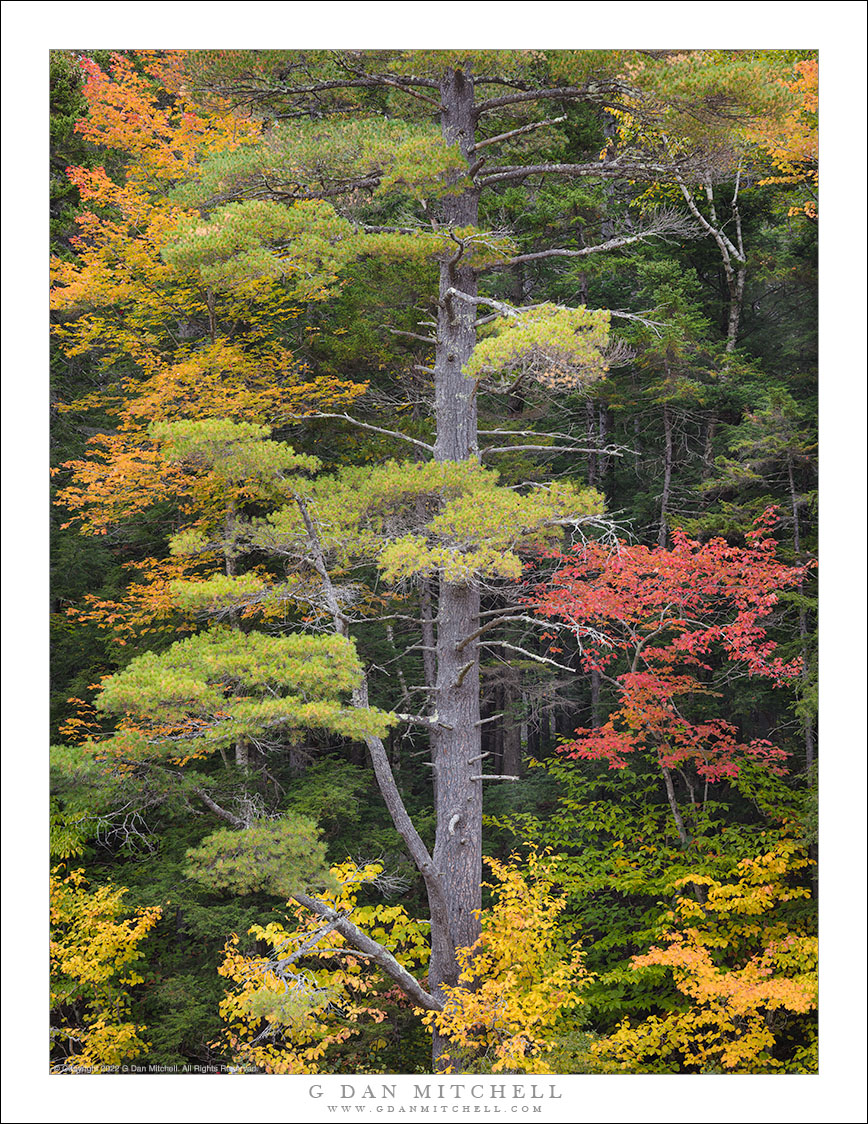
(516, 132)
(530, 655)
(372, 949)
(609, 170)
(375, 428)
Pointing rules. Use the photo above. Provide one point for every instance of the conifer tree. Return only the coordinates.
(390, 154)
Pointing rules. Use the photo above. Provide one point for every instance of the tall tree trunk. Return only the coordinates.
(511, 762)
(735, 284)
(604, 458)
(667, 476)
(591, 431)
(242, 745)
(596, 715)
(456, 740)
(803, 617)
(673, 807)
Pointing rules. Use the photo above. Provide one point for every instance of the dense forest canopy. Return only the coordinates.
(434, 561)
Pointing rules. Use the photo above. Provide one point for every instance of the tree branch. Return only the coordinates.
(568, 93)
(530, 655)
(507, 618)
(441, 946)
(375, 429)
(658, 228)
(411, 335)
(523, 432)
(214, 807)
(516, 132)
(503, 309)
(610, 169)
(372, 949)
(724, 244)
(608, 451)
(654, 325)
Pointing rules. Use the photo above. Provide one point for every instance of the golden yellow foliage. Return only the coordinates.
(93, 948)
(748, 975)
(519, 982)
(284, 1016)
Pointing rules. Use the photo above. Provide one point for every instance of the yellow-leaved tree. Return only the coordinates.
(521, 983)
(746, 964)
(93, 949)
(293, 1007)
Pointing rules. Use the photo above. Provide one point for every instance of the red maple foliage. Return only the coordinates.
(663, 615)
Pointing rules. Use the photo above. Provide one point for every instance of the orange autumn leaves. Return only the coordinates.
(166, 345)
(746, 965)
(163, 140)
(793, 146)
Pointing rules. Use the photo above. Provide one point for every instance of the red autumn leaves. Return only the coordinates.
(662, 628)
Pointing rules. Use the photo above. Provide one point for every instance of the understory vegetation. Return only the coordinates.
(434, 561)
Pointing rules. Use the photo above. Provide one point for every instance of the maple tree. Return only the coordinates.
(746, 963)
(664, 615)
(202, 282)
(514, 1003)
(792, 145)
(166, 338)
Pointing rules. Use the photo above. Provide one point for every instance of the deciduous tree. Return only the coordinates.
(93, 950)
(389, 154)
(664, 616)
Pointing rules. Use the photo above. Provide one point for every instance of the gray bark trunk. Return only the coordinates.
(511, 761)
(456, 742)
(596, 719)
(803, 618)
(663, 531)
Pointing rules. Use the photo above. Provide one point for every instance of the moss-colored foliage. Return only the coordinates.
(390, 154)
(237, 453)
(209, 690)
(277, 856)
(255, 239)
(437, 516)
(562, 348)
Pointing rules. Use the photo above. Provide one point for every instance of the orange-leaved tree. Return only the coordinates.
(793, 144)
(169, 336)
(745, 962)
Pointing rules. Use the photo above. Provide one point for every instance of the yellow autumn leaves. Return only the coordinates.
(93, 948)
(747, 970)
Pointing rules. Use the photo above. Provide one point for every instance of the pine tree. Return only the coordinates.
(359, 168)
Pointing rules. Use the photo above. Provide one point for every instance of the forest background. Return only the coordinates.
(831, 499)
